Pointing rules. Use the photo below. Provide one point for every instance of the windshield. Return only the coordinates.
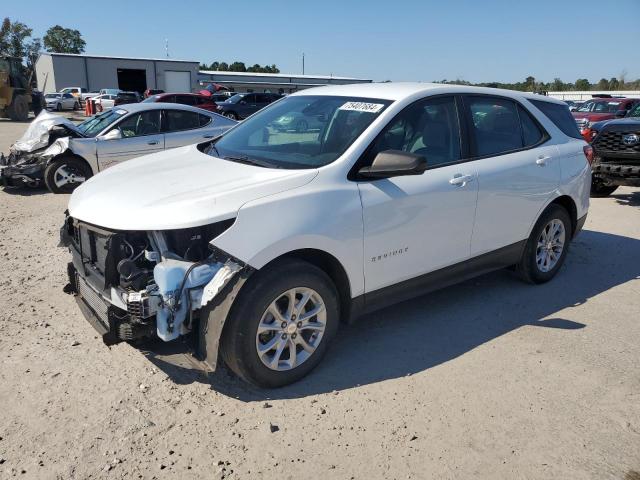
(635, 111)
(236, 98)
(94, 125)
(599, 107)
(299, 131)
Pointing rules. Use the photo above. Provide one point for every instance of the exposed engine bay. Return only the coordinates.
(135, 284)
(47, 136)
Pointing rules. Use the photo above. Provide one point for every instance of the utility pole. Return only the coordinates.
(303, 63)
(166, 47)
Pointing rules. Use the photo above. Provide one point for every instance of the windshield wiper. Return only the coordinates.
(246, 160)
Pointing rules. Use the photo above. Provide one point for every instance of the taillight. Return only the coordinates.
(588, 152)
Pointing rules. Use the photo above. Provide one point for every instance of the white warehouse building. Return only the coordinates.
(55, 71)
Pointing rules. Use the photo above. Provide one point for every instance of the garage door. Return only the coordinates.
(177, 81)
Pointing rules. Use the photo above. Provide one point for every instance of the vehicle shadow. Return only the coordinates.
(25, 191)
(630, 199)
(427, 331)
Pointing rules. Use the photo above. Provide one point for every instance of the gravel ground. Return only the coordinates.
(488, 379)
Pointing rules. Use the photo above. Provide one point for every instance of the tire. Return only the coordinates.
(76, 106)
(599, 190)
(231, 115)
(73, 167)
(59, 107)
(19, 109)
(240, 338)
(530, 269)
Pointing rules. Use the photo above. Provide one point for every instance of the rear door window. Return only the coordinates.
(531, 132)
(560, 116)
(177, 120)
(495, 126)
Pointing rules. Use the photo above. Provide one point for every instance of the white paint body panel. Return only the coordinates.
(278, 211)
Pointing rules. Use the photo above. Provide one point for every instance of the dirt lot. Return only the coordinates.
(488, 379)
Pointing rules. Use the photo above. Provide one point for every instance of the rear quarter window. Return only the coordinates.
(560, 116)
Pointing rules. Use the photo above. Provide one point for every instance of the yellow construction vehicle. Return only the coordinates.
(16, 96)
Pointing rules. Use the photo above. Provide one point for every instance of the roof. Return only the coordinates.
(278, 75)
(141, 106)
(108, 57)
(401, 90)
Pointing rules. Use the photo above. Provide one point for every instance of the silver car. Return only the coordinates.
(61, 101)
(117, 135)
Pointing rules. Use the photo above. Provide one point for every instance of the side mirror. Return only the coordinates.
(394, 163)
(242, 102)
(621, 113)
(114, 134)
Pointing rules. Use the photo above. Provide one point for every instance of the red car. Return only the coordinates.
(193, 99)
(598, 109)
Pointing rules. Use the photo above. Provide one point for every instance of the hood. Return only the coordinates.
(622, 122)
(37, 135)
(176, 188)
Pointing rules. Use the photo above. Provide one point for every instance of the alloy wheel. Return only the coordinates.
(67, 175)
(291, 329)
(550, 245)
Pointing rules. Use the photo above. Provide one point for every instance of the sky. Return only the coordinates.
(401, 40)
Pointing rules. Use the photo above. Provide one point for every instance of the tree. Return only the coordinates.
(223, 67)
(583, 84)
(32, 52)
(557, 85)
(603, 84)
(614, 84)
(64, 40)
(530, 83)
(237, 67)
(13, 38)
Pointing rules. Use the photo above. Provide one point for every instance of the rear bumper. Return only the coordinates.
(618, 173)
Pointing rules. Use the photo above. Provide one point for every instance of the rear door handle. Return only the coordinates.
(209, 135)
(460, 180)
(153, 142)
(542, 160)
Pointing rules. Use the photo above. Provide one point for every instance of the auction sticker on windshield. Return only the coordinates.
(362, 107)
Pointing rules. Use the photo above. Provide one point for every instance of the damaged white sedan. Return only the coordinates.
(255, 245)
(56, 152)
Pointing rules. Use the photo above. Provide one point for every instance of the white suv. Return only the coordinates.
(260, 242)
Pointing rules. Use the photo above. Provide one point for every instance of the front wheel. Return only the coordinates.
(65, 174)
(547, 246)
(281, 324)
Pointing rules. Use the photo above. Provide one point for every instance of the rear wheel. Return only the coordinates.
(281, 324)
(59, 107)
(547, 246)
(76, 106)
(19, 109)
(65, 174)
(600, 190)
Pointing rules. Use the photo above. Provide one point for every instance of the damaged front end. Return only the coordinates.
(133, 284)
(47, 136)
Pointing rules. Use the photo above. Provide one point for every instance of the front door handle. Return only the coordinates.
(153, 142)
(542, 160)
(209, 135)
(460, 180)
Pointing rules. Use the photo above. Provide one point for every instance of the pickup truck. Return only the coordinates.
(616, 144)
(598, 109)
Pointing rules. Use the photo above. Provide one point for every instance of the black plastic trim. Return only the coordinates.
(444, 277)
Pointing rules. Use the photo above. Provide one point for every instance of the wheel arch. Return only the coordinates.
(332, 267)
(569, 205)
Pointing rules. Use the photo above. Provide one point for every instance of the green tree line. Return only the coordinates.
(239, 67)
(530, 84)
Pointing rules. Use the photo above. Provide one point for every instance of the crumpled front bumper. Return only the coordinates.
(13, 174)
